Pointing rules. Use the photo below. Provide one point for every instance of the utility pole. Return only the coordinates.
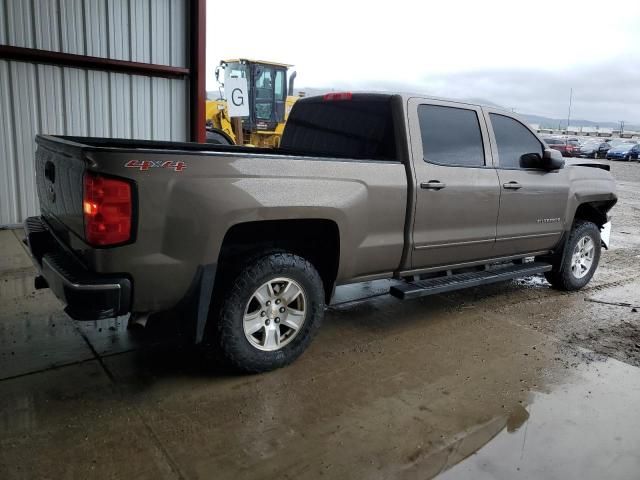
(621, 127)
(569, 115)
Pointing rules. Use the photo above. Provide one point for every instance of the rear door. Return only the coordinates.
(532, 202)
(457, 190)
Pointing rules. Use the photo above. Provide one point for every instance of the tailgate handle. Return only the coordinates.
(50, 171)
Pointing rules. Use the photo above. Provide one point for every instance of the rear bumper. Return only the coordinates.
(88, 295)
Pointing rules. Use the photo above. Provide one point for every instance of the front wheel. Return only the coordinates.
(269, 314)
(580, 260)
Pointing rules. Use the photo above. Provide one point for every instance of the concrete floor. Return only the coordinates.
(507, 381)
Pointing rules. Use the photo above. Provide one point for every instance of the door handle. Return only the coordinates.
(511, 186)
(433, 185)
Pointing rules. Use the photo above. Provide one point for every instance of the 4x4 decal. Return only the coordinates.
(147, 164)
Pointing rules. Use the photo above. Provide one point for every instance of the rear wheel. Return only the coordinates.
(580, 260)
(269, 313)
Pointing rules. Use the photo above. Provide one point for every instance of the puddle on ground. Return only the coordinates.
(586, 429)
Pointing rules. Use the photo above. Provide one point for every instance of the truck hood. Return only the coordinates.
(581, 162)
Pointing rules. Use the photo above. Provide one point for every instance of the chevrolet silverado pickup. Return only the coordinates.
(248, 244)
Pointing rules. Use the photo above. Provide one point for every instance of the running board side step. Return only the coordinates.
(432, 286)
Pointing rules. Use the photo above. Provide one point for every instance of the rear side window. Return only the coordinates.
(451, 136)
(513, 140)
(360, 128)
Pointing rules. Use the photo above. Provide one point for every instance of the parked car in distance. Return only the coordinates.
(624, 151)
(594, 149)
(563, 146)
(576, 144)
(615, 142)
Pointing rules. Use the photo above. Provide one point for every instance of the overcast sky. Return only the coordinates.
(524, 55)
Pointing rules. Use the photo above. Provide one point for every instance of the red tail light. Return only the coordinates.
(337, 96)
(108, 210)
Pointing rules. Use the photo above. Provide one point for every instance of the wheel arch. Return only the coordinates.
(594, 211)
(315, 239)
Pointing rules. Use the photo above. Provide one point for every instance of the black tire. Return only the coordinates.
(562, 277)
(217, 138)
(627, 158)
(227, 334)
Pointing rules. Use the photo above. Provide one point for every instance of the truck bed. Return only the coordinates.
(187, 197)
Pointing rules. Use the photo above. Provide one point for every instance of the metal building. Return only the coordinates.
(106, 68)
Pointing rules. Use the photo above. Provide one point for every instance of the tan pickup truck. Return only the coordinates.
(248, 245)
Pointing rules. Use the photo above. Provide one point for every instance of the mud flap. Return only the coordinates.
(207, 279)
(605, 235)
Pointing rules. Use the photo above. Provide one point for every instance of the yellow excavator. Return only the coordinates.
(270, 101)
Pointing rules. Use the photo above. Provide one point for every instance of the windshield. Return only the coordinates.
(235, 70)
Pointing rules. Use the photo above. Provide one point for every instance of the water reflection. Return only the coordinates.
(587, 429)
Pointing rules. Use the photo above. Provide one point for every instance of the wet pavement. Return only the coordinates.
(513, 380)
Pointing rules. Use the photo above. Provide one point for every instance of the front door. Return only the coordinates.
(457, 190)
(532, 202)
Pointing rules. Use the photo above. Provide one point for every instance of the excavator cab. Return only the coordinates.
(270, 99)
(267, 82)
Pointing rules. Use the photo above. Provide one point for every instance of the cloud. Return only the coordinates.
(522, 55)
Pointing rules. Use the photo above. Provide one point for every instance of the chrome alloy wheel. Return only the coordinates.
(275, 314)
(582, 258)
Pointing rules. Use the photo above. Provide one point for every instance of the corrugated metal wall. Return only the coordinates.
(70, 101)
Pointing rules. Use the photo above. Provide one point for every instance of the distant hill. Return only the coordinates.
(555, 122)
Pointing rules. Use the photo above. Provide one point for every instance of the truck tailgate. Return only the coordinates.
(59, 169)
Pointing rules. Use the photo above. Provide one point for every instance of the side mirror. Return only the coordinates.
(550, 160)
(531, 160)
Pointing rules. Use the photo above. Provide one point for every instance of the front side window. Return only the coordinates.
(513, 140)
(451, 136)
